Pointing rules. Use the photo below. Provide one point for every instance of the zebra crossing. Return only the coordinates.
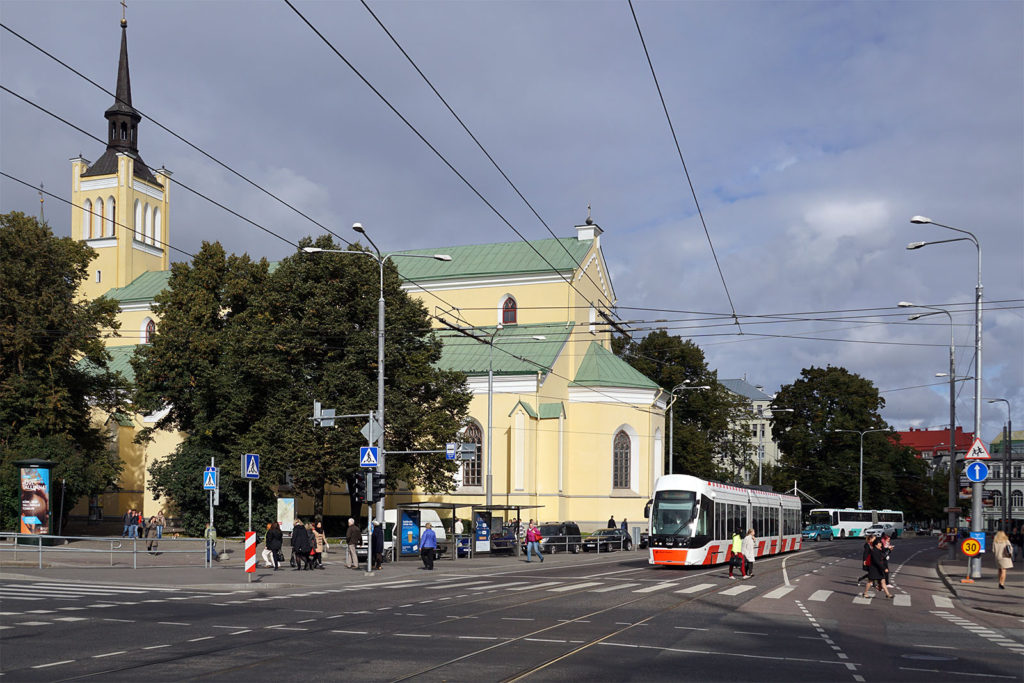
(23, 594)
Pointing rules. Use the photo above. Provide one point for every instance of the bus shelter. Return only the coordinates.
(483, 516)
(408, 520)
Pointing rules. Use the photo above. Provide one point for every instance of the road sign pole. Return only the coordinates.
(250, 505)
(209, 541)
(369, 506)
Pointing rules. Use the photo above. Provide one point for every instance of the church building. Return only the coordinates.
(561, 422)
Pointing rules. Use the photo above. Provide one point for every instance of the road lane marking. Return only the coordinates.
(608, 589)
(544, 640)
(691, 628)
(696, 589)
(537, 585)
(109, 654)
(412, 635)
(655, 587)
(33, 623)
(942, 601)
(504, 585)
(173, 623)
(517, 618)
(736, 590)
(778, 592)
(955, 673)
(43, 666)
(70, 619)
(820, 596)
(458, 585)
(238, 633)
(479, 638)
(196, 640)
(155, 647)
(354, 633)
(901, 600)
(572, 587)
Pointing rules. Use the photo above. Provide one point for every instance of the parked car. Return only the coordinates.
(606, 540)
(881, 528)
(818, 532)
(560, 537)
(645, 540)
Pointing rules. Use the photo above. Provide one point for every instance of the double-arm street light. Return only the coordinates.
(951, 499)
(671, 416)
(760, 430)
(976, 491)
(860, 491)
(1007, 461)
(381, 259)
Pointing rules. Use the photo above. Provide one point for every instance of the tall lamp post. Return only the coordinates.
(672, 414)
(489, 491)
(760, 442)
(951, 499)
(1007, 461)
(381, 259)
(860, 492)
(976, 490)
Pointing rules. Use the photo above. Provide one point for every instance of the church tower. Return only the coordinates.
(120, 206)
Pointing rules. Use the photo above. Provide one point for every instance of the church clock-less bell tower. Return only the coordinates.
(120, 206)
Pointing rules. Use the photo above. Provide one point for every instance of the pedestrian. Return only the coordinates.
(1017, 540)
(625, 525)
(736, 560)
(152, 539)
(267, 554)
(428, 545)
(211, 543)
(317, 546)
(533, 539)
(127, 519)
(749, 550)
(878, 570)
(274, 541)
(887, 548)
(611, 522)
(1003, 555)
(865, 558)
(300, 545)
(136, 523)
(377, 545)
(458, 527)
(352, 539)
(160, 521)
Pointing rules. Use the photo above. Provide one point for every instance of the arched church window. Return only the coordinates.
(508, 311)
(150, 331)
(87, 219)
(471, 469)
(124, 131)
(620, 461)
(138, 220)
(149, 224)
(157, 233)
(97, 224)
(108, 227)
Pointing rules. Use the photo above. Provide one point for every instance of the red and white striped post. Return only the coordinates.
(250, 553)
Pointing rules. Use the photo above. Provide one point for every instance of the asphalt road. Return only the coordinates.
(584, 617)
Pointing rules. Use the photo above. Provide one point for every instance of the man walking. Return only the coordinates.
(749, 550)
(353, 538)
(377, 545)
(611, 522)
(428, 544)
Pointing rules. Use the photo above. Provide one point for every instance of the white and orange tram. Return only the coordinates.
(691, 520)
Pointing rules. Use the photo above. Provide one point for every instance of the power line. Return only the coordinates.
(686, 171)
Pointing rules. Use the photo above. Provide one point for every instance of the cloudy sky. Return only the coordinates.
(812, 133)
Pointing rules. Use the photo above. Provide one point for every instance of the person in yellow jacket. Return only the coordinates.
(737, 555)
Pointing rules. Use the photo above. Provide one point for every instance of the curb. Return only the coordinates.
(945, 580)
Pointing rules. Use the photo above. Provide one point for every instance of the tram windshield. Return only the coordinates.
(672, 512)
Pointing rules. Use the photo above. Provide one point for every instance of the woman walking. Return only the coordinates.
(865, 559)
(300, 546)
(318, 546)
(275, 539)
(878, 570)
(533, 539)
(749, 549)
(1003, 554)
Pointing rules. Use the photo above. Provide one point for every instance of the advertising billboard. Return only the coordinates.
(35, 500)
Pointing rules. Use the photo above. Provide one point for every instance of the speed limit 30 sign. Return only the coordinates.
(970, 547)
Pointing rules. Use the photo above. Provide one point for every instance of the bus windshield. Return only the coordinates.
(821, 517)
(672, 512)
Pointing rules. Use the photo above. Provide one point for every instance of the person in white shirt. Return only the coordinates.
(749, 550)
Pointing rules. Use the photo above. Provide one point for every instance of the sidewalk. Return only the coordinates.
(984, 593)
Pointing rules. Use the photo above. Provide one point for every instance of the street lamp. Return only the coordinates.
(860, 493)
(381, 259)
(976, 491)
(1007, 461)
(760, 431)
(672, 414)
(951, 498)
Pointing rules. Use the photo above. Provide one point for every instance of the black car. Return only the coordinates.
(560, 537)
(607, 540)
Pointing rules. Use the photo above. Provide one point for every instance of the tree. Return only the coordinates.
(709, 439)
(827, 463)
(54, 374)
(242, 352)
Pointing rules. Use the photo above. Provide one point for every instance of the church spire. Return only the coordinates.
(123, 120)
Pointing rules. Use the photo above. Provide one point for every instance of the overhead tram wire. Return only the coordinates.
(477, 141)
(434, 149)
(686, 171)
(174, 134)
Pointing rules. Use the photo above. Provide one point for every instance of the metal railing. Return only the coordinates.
(87, 549)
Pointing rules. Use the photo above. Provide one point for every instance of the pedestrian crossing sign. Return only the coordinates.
(210, 479)
(368, 456)
(251, 466)
(978, 451)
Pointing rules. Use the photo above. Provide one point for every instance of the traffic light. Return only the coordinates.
(359, 487)
(377, 487)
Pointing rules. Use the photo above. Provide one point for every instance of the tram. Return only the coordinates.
(691, 520)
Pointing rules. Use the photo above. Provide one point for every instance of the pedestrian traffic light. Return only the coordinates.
(359, 487)
(377, 487)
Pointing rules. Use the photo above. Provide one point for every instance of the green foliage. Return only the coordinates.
(242, 353)
(47, 394)
(826, 463)
(708, 439)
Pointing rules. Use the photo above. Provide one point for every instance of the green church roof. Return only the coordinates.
(143, 288)
(503, 258)
(516, 352)
(120, 361)
(602, 368)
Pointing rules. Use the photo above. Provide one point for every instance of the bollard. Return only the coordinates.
(135, 556)
(40, 552)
